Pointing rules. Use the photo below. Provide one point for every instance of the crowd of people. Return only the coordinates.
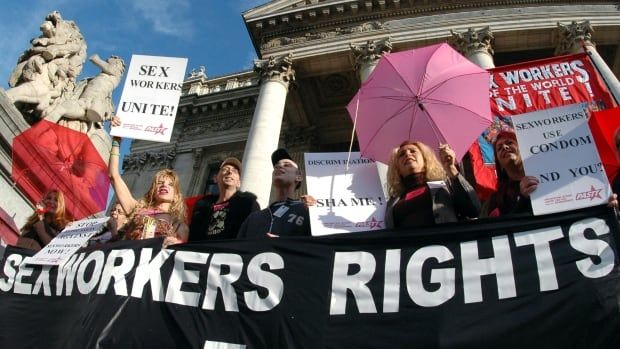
(424, 190)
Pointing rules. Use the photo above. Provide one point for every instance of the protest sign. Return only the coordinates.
(546, 83)
(68, 241)
(557, 147)
(530, 86)
(348, 200)
(150, 98)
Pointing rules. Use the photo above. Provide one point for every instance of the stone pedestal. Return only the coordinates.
(12, 200)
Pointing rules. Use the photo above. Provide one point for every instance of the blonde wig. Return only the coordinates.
(433, 170)
(177, 206)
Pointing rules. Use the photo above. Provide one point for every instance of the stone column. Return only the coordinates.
(366, 58)
(276, 75)
(577, 37)
(475, 45)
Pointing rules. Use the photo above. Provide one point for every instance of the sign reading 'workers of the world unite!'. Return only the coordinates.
(150, 98)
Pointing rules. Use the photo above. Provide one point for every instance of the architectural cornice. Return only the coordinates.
(279, 18)
(436, 27)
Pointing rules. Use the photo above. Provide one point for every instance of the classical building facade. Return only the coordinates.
(316, 53)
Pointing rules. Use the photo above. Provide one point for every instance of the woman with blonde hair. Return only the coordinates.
(424, 191)
(49, 219)
(161, 212)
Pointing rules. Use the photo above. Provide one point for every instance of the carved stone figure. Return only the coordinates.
(47, 69)
(94, 104)
(44, 82)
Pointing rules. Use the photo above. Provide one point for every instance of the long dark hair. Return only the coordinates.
(507, 189)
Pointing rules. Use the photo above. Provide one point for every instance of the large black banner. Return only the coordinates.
(526, 282)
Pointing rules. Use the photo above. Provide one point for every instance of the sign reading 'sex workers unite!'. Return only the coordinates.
(147, 108)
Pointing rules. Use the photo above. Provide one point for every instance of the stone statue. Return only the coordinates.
(47, 69)
(94, 103)
(43, 84)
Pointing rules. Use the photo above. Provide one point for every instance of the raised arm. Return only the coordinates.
(123, 194)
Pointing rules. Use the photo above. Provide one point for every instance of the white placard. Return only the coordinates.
(347, 200)
(557, 147)
(150, 98)
(67, 242)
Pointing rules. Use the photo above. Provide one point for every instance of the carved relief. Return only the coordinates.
(201, 72)
(276, 68)
(472, 40)
(203, 87)
(573, 36)
(300, 137)
(362, 28)
(371, 51)
(149, 160)
(198, 153)
(218, 126)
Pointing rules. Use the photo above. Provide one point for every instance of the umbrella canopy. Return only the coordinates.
(50, 156)
(9, 232)
(604, 125)
(431, 94)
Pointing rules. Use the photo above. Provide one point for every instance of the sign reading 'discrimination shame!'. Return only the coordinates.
(68, 241)
(150, 98)
(348, 200)
(557, 147)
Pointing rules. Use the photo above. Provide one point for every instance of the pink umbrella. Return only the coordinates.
(431, 94)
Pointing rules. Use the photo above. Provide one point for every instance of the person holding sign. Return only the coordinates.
(424, 191)
(161, 212)
(49, 218)
(513, 186)
(220, 217)
(286, 216)
(114, 228)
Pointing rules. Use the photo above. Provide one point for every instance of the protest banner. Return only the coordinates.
(67, 242)
(349, 198)
(535, 282)
(547, 83)
(557, 147)
(150, 98)
(530, 86)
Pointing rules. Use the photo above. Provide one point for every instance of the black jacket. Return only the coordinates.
(240, 206)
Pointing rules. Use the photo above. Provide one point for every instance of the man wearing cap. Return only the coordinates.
(219, 217)
(285, 216)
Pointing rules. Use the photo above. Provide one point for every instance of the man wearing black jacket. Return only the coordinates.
(285, 216)
(220, 217)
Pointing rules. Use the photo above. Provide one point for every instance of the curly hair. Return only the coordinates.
(432, 168)
(60, 217)
(177, 206)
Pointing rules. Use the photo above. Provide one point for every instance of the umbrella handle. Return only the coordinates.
(357, 104)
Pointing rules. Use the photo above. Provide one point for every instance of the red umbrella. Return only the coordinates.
(431, 94)
(604, 125)
(9, 232)
(49, 156)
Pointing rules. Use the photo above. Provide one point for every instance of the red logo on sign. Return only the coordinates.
(156, 129)
(590, 194)
(371, 224)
